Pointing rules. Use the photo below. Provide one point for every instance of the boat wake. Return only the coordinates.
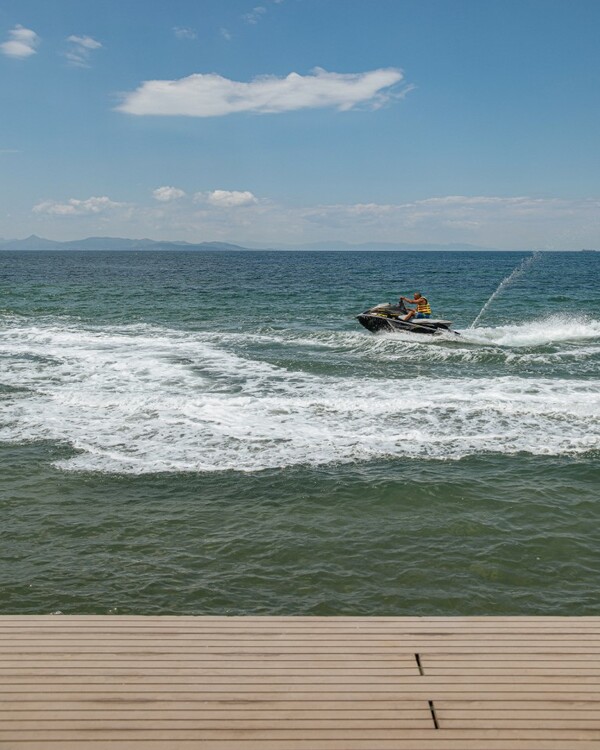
(556, 329)
(141, 399)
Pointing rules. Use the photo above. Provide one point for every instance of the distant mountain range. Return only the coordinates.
(124, 244)
(111, 243)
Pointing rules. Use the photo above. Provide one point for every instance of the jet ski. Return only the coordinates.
(386, 317)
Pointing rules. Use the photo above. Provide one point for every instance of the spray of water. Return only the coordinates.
(520, 269)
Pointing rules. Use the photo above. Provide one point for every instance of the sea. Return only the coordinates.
(214, 433)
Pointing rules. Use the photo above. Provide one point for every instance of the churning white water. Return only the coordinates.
(141, 399)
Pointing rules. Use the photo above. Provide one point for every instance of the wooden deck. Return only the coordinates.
(301, 683)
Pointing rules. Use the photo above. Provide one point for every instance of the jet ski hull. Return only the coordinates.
(390, 318)
(378, 323)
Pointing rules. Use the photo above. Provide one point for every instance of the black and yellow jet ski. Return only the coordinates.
(390, 318)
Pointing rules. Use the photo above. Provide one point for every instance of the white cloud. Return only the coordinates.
(226, 34)
(211, 95)
(84, 41)
(22, 43)
(80, 50)
(166, 193)
(184, 32)
(255, 14)
(75, 207)
(227, 198)
(515, 221)
(509, 222)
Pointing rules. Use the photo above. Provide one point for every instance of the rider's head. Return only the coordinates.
(417, 295)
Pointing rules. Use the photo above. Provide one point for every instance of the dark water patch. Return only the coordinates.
(482, 536)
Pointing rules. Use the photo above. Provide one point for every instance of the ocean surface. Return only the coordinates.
(214, 433)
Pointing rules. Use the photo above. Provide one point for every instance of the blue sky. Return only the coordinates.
(297, 121)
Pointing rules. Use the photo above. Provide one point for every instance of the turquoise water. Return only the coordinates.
(214, 433)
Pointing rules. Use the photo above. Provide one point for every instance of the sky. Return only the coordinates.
(284, 122)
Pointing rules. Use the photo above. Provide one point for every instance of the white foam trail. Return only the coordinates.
(145, 399)
(547, 340)
(556, 329)
(520, 269)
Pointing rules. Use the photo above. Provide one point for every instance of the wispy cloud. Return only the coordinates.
(238, 215)
(22, 43)
(226, 34)
(9, 151)
(166, 194)
(211, 95)
(515, 221)
(254, 16)
(75, 207)
(80, 50)
(184, 32)
(258, 12)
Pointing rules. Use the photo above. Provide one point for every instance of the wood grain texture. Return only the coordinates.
(299, 683)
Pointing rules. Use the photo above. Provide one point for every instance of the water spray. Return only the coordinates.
(520, 269)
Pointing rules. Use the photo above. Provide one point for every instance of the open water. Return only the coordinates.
(214, 433)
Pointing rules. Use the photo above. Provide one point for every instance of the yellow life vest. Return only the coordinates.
(423, 306)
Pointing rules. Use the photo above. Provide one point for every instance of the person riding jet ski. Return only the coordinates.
(422, 309)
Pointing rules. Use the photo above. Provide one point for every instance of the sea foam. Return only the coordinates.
(141, 399)
(555, 329)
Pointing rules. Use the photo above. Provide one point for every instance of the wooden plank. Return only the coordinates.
(518, 657)
(318, 677)
(210, 659)
(86, 630)
(228, 726)
(140, 669)
(282, 660)
(267, 650)
(514, 705)
(318, 680)
(437, 743)
(519, 671)
(509, 661)
(300, 734)
(299, 693)
(319, 683)
(419, 712)
(298, 624)
(315, 707)
(326, 634)
(520, 642)
(172, 703)
(493, 714)
(291, 625)
(508, 721)
(228, 661)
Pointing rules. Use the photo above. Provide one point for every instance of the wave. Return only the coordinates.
(552, 329)
(142, 399)
(555, 329)
(549, 341)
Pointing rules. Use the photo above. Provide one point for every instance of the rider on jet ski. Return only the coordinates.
(422, 310)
